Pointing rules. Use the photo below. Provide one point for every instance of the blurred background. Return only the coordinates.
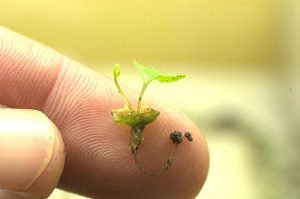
(242, 62)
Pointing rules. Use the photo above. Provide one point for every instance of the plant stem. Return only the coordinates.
(126, 101)
(140, 97)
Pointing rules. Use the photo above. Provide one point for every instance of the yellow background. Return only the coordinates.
(241, 58)
(190, 31)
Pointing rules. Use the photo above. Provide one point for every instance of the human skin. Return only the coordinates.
(79, 101)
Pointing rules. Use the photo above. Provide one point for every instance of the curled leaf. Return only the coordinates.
(149, 74)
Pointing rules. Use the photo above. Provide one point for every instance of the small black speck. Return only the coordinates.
(188, 135)
(176, 137)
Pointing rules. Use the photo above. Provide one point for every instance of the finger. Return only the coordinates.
(79, 102)
(31, 153)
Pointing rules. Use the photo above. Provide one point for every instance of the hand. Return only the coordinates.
(79, 102)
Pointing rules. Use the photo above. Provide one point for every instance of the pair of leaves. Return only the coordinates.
(150, 74)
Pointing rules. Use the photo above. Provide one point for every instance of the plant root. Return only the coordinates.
(166, 166)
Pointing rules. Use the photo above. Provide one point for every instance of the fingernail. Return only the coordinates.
(26, 147)
(5, 194)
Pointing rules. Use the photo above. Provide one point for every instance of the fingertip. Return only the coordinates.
(192, 156)
(188, 172)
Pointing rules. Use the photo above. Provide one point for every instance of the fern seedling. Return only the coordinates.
(142, 115)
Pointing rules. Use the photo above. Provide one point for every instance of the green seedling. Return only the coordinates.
(137, 118)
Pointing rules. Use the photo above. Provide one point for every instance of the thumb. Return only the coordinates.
(31, 154)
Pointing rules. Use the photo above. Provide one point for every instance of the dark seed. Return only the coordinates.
(176, 137)
(188, 135)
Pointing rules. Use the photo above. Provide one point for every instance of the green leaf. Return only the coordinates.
(150, 74)
(116, 70)
(169, 78)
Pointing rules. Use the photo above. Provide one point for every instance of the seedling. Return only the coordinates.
(137, 118)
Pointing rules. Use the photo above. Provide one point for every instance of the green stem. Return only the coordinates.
(126, 101)
(141, 96)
